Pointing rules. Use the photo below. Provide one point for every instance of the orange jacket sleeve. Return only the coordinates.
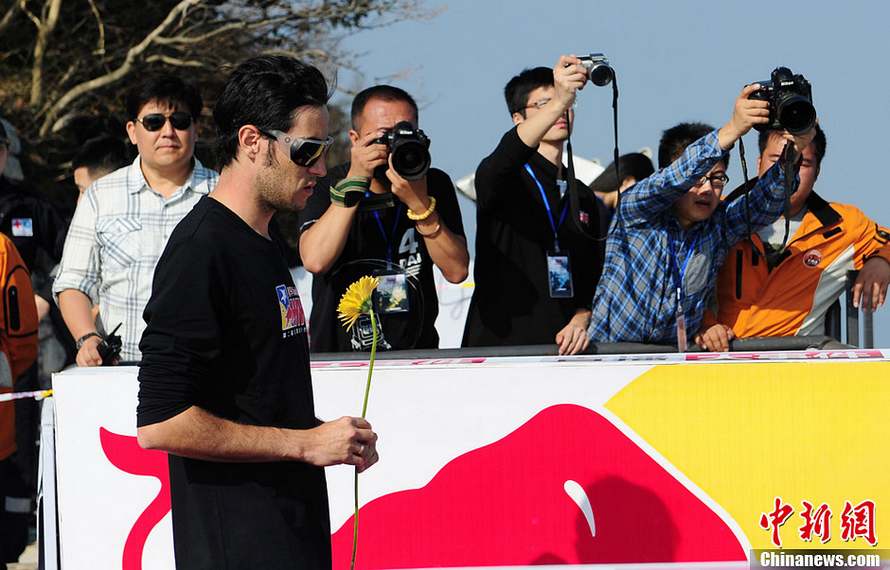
(18, 313)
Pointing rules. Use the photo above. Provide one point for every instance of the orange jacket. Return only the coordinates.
(18, 334)
(792, 298)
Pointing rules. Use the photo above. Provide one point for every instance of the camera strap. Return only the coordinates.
(788, 180)
(788, 171)
(574, 201)
(749, 228)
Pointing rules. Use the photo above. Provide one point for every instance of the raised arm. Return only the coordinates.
(657, 193)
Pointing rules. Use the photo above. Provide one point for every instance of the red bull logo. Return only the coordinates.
(124, 452)
(568, 487)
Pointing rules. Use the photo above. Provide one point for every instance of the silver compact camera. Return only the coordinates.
(598, 69)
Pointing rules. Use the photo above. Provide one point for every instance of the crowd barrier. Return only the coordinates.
(689, 459)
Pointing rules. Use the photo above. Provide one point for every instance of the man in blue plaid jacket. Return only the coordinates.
(671, 232)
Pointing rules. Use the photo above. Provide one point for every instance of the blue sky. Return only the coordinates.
(676, 61)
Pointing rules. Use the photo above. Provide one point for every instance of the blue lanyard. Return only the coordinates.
(680, 272)
(387, 238)
(565, 210)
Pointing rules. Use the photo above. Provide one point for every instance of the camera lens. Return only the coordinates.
(601, 75)
(411, 160)
(796, 114)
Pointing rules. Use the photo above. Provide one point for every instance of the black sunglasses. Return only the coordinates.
(303, 152)
(156, 121)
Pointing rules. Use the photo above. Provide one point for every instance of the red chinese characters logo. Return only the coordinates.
(815, 522)
(859, 521)
(776, 519)
(856, 521)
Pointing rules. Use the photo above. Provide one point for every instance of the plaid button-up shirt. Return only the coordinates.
(636, 297)
(118, 232)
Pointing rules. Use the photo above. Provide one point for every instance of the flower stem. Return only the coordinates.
(371, 363)
(364, 411)
(354, 523)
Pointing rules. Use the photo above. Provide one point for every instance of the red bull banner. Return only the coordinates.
(682, 459)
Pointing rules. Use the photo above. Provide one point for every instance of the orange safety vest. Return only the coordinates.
(18, 334)
(832, 239)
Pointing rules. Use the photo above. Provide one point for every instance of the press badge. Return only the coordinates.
(559, 276)
(392, 293)
(681, 324)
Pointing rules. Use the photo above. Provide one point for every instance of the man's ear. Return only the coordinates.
(249, 138)
(354, 136)
(131, 131)
(518, 118)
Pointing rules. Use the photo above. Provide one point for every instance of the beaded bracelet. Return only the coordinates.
(414, 217)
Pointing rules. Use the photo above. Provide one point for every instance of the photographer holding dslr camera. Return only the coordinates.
(385, 212)
(671, 231)
(783, 279)
(535, 268)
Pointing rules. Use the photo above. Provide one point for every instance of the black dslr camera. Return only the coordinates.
(790, 100)
(409, 148)
(598, 69)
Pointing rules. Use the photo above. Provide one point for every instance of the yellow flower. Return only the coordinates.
(356, 301)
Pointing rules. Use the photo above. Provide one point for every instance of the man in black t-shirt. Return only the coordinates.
(224, 383)
(398, 236)
(537, 257)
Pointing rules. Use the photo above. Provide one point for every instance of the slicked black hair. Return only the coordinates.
(164, 88)
(101, 154)
(675, 140)
(265, 91)
(819, 142)
(517, 90)
(384, 93)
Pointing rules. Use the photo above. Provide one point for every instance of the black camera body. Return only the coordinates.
(790, 99)
(110, 347)
(409, 148)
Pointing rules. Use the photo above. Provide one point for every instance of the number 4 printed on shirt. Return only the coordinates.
(408, 243)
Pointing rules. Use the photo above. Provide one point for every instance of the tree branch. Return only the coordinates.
(232, 26)
(116, 75)
(175, 61)
(7, 17)
(44, 29)
(23, 4)
(100, 46)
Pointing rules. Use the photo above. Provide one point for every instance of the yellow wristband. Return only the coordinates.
(420, 217)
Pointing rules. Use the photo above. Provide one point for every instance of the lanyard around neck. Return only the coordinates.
(387, 237)
(565, 210)
(680, 272)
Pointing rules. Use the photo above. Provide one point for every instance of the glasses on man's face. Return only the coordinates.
(540, 104)
(717, 181)
(180, 120)
(303, 152)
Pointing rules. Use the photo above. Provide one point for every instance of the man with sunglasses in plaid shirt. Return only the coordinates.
(123, 221)
(671, 233)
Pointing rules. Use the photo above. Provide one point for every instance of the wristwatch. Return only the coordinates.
(79, 343)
